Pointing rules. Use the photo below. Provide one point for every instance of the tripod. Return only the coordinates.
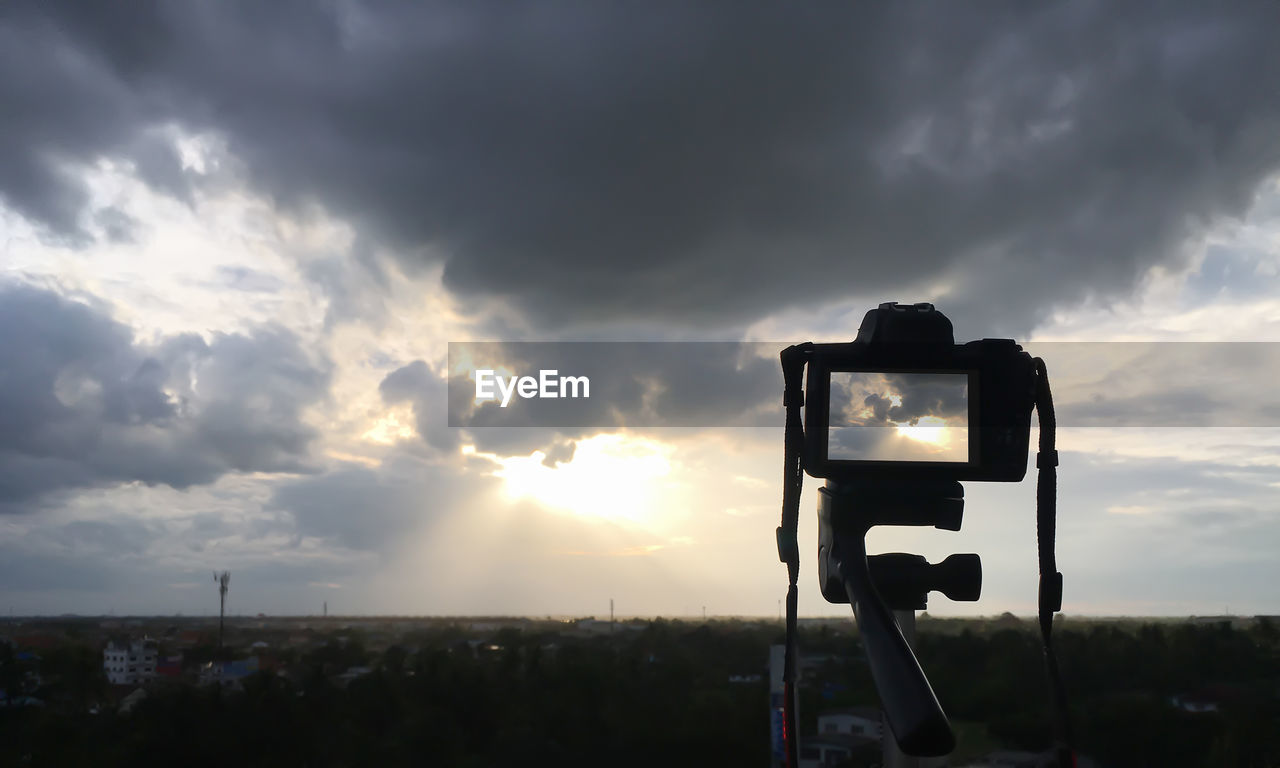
(885, 589)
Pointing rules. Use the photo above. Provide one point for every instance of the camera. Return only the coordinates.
(893, 421)
(904, 402)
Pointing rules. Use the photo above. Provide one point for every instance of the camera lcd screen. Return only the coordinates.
(898, 416)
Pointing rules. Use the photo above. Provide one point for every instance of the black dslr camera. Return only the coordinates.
(893, 421)
(903, 400)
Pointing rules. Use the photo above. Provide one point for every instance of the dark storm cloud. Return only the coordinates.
(84, 404)
(684, 162)
(882, 399)
(945, 396)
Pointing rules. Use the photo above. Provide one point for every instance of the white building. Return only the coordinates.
(823, 751)
(841, 734)
(861, 721)
(130, 665)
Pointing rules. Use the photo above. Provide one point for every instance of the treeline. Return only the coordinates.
(662, 696)
(1122, 680)
(656, 697)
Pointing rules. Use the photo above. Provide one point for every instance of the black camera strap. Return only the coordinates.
(1050, 596)
(793, 362)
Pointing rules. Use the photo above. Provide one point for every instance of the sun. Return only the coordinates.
(611, 477)
(928, 429)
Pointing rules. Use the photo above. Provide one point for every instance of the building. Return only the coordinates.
(824, 751)
(777, 701)
(189, 638)
(865, 722)
(228, 673)
(843, 734)
(42, 641)
(130, 664)
(169, 666)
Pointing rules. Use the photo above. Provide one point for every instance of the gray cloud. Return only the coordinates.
(355, 281)
(352, 507)
(247, 280)
(372, 509)
(120, 538)
(631, 384)
(866, 409)
(23, 570)
(116, 225)
(560, 453)
(1179, 384)
(1234, 273)
(416, 384)
(637, 386)
(1166, 484)
(685, 163)
(429, 395)
(94, 582)
(84, 404)
(918, 395)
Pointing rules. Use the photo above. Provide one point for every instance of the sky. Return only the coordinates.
(237, 239)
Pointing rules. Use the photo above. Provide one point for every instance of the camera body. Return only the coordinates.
(904, 403)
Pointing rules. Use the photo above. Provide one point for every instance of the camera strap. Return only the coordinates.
(793, 362)
(1050, 594)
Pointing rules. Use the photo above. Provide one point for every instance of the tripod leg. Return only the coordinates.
(894, 757)
(915, 716)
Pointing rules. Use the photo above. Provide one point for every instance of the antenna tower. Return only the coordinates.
(222, 580)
